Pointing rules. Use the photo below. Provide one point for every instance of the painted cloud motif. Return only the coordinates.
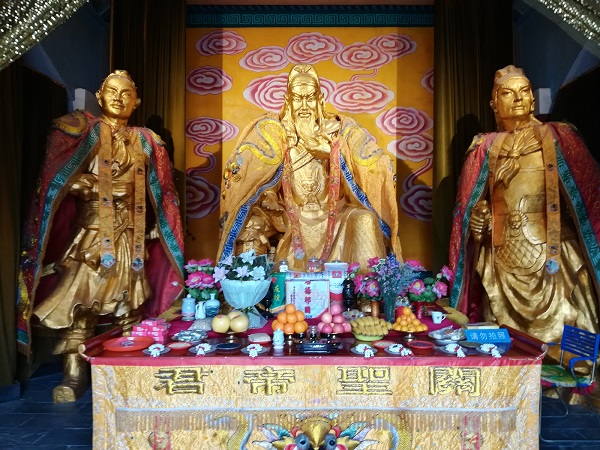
(265, 59)
(310, 48)
(208, 80)
(221, 42)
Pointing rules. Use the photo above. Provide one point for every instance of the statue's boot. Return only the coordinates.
(76, 377)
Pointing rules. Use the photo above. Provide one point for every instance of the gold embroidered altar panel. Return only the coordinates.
(265, 406)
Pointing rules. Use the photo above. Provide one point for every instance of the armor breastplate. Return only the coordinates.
(310, 187)
(519, 219)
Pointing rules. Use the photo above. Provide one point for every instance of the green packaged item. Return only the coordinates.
(278, 291)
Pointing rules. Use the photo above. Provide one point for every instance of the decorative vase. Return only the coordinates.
(418, 309)
(212, 306)
(246, 295)
(374, 308)
(348, 294)
(389, 306)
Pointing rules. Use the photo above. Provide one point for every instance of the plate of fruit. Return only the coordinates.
(408, 322)
(370, 328)
(290, 321)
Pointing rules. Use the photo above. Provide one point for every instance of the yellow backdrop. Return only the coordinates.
(380, 76)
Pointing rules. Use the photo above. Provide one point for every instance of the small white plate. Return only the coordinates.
(389, 352)
(448, 352)
(260, 352)
(356, 351)
(162, 352)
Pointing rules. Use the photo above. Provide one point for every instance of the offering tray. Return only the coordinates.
(320, 347)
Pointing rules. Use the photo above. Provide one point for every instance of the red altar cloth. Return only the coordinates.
(523, 350)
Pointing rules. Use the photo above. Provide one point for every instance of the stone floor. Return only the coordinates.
(34, 422)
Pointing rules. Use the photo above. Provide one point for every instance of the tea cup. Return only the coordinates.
(437, 316)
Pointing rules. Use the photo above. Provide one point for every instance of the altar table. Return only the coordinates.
(232, 401)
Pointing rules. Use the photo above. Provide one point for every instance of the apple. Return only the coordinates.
(327, 329)
(234, 313)
(347, 327)
(239, 323)
(320, 326)
(326, 317)
(338, 318)
(338, 328)
(220, 323)
(335, 308)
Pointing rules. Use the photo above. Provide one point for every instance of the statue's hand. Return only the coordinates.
(271, 204)
(122, 136)
(85, 186)
(153, 233)
(481, 216)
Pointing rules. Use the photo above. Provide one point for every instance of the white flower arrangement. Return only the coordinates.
(155, 350)
(406, 352)
(361, 348)
(254, 350)
(247, 266)
(395, 348)
(491, 348)
(202, 349)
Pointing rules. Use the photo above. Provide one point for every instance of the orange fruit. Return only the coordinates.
(412, 316)
(300, 315)
(282, 317)
(416, 322)
(403, 328)
(300, 327)
(277, 325)
(292, 317)
(288, 328)
(290, 308)
(406, 311)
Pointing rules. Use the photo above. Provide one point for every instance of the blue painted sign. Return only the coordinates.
(485, 336)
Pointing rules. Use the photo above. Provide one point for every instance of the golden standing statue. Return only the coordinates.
(308, 183)
(111, 169)
(530, 197)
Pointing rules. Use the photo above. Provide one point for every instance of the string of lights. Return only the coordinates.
(582, 15)
(24, 23)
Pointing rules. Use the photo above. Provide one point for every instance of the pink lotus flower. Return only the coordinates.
(440, 289)
(205, 262)
(372, 262)
(358, 281)
(447, 273)
(191, 266)
(417, 287)
(353, 268)
(200, 280)
(371, 288)
(414, 264)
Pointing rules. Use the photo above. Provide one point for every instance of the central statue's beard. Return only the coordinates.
(306, 128)
(309, 132)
